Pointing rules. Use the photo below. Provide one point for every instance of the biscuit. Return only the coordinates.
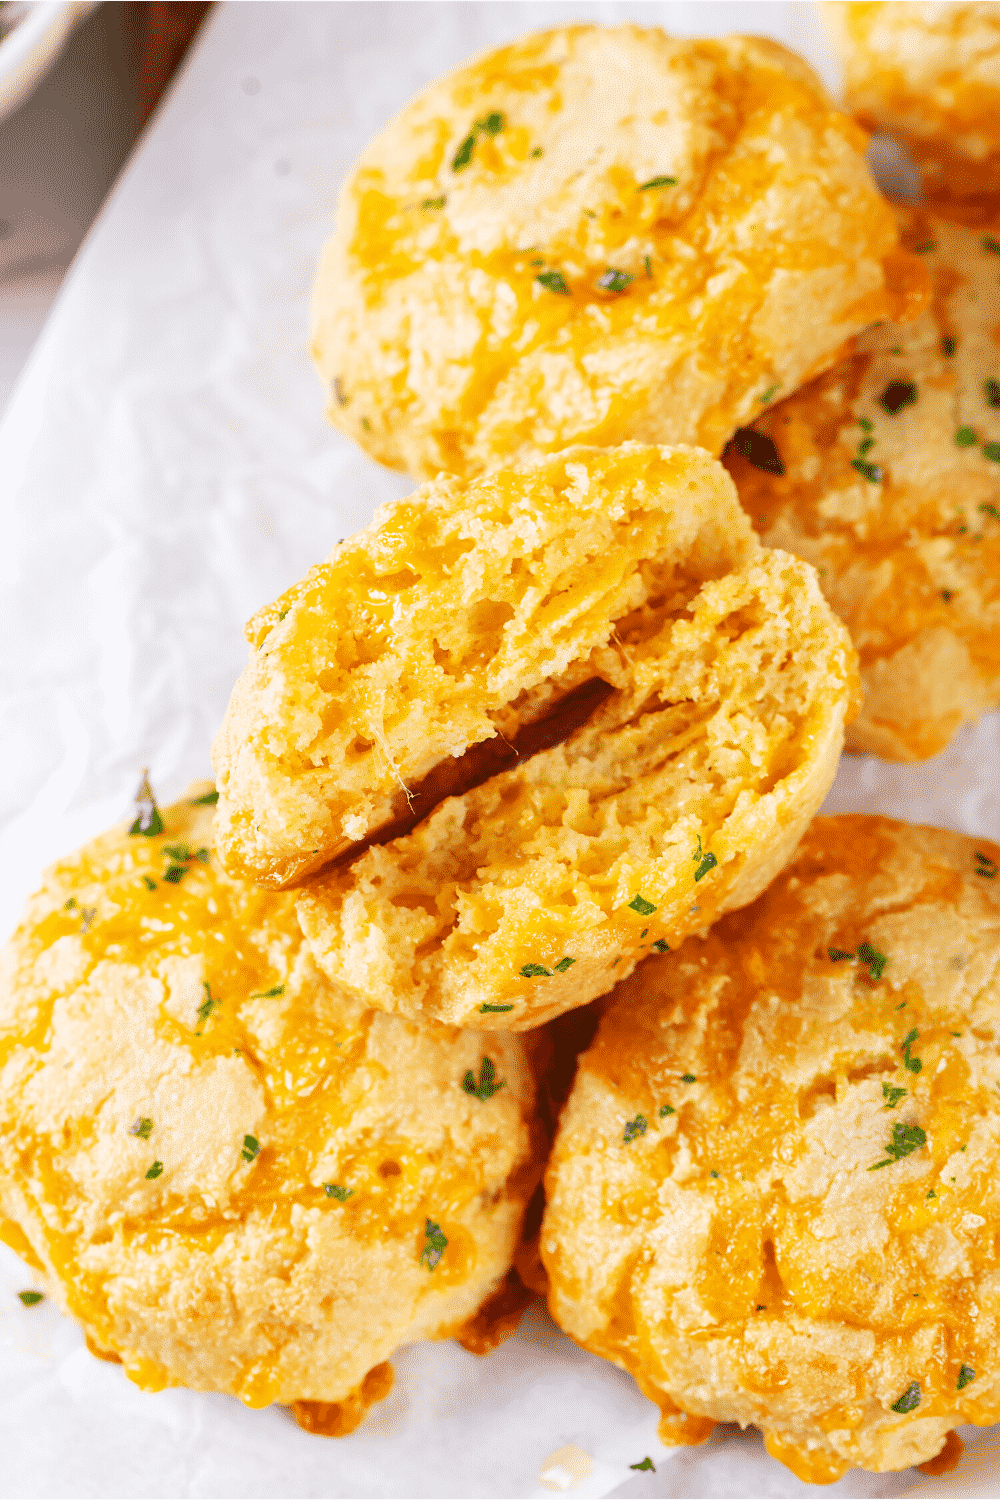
(774, 1193)
(461, 615)
(680, 797)
(597, 235)
(234, 1179)
(929, 75)
(885, 474)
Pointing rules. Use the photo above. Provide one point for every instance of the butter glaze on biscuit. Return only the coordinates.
(891, 489)
(928, 74)
(597, 235)
(224, 1171)
(682, 795)
(773, 1197)
(461, 615)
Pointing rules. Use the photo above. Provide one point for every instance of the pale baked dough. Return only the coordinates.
(221, 1272)
(505, 278)
(901, 521)
(682, 796)
(462, 614)
(928, 74)
(724, 1218)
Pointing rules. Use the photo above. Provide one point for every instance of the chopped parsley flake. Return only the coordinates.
(667, 1109)
(69, 905)
(948, 345)
(926, 247)
(533, 971)
(965, 437)
(985, 866)
(149, 884)
(149, 821)
(688, 1078)
(892, 1095)
(435, 1246)
(154, 1171)
(655, 182)
(553, 281)
(905, 1139)
(837, 954)
(635, 1128)
(647, 1463)
(642, 906)
(209, 1003)
(279, 989)
(564, 964)
(141, 1128)
(872, 959)
(209, 800)
(865, 424)
(433, 202)
(32, 1299)
(648, 262)
(865, 446)
(966, 1374)
(991, 390)
(992, 452)
(931, 1194)
(990, 510)
(486, 1009)
(463, 155)
(661, 945)
(486, 1085)
(897, 394)
(913, 1064)
(251, 1148)
(614, 281)
(947, 595)
(184, 854)
(909, 1400)
(175, 873)
(537, 151)
(769, 394)
(759, 450)
(871, 472)
(708, 862)
(334, 1190)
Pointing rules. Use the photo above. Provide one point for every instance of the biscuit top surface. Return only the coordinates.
(781, 1152)
(181, 1089)
(884, 473)
(577, 214)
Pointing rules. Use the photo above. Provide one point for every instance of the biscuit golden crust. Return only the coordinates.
(682, 796)
(596, 235)
(236, 1181)
(891, 489)
(929, 74)
(461, 615)
(773, 1196)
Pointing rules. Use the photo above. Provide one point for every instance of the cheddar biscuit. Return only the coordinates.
(236, 1180)
(462, 615)
(773, 1196)
(928, 74)
(885, 474)
(680, 797)
(596, 235)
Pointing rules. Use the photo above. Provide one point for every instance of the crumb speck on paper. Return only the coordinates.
(566, 1467)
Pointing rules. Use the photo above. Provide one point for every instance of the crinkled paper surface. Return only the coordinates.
(165, 468)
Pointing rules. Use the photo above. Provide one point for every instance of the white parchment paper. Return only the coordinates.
(165, 468)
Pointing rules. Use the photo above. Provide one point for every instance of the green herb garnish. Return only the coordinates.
(141, 1128)
(635, 1128)
(872, 959)
(209, 800)
(564, 964)
(992, 452)
(647, 1463)
(947, 595)
(31, 1299)
(209, 1003)
(184, 854)
(154, 1171)
(837, 954)
(966, 1374)
(925, 247)
(463, 155)
(985, 866)
(149, 884)
(991, 390)
(175, 873)
(965, 437)
(334, 1190)
(708, 862)
(913, 1064)
(948, 345)
(553, 281)
(69, 905)
(909, 1400)
(537, 151)
(149, 821)
(648, 262)
(871, 472)
(433, 202)
(251, 1148)
(667, 1109)
(532, 971)
(688, 1078)
(661, 945)
(642, 906)
(768, 394)
(435, 1246)
(485, 1086)
(905, 1139)
(486, 1009)
(279, 989)
(892, 1095)
(655, 182)
(614, 281)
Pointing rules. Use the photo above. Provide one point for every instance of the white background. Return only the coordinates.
(165, 468)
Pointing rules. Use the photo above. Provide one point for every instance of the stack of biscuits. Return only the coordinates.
(709, 440)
